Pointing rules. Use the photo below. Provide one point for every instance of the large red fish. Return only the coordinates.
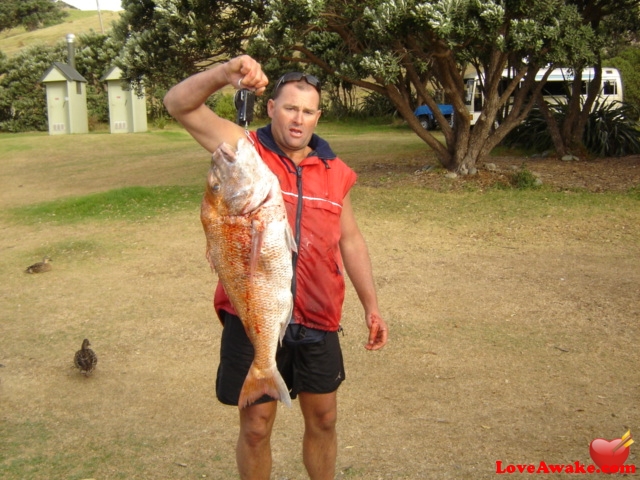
(249, 244)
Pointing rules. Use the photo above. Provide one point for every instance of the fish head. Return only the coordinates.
(239, 181)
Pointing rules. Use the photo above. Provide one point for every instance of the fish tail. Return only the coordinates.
(259, 383)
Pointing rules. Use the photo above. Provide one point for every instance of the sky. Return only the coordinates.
(91, 4)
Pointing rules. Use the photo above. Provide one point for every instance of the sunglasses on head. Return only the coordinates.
(296, 77)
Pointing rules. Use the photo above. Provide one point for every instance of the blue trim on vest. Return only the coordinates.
(319, 146)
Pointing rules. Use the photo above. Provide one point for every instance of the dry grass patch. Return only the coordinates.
(513, 316)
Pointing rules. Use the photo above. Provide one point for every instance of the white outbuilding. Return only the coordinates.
(127, 110)
(66, 100)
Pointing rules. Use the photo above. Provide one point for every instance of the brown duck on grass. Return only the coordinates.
(85, 359)
(40, 267)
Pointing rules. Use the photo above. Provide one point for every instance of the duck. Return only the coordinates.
(85, 359)
(40, 267)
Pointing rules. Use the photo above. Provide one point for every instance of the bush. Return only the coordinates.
(375, 105)
(23, 105)
(611, 130)
(524, 179)
(224, 106)
(532, 133)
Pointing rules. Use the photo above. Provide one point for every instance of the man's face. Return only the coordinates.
(294, 115)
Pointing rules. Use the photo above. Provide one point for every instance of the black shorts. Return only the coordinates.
(308, 363)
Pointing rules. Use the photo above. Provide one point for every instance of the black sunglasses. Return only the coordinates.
(296, 77)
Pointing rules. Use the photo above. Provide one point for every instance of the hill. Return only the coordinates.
(78, 22)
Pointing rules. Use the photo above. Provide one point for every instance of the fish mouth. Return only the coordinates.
(255, 204)
(225, 151)
(267, 198)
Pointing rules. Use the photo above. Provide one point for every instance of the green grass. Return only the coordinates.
(133, 177)
(72, 464)
(494, 209)
(130, 203)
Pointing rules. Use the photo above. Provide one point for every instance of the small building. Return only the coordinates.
(66, 100)
(127, 110)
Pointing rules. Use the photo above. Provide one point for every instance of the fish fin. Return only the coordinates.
(209, 258)
(285, 322)
(290, 239)
(259, 383)
(283, 329)
(257, 238)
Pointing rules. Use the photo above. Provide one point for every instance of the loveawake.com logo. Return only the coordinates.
(608, 456)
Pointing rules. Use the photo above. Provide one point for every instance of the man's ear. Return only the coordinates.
(270, 107)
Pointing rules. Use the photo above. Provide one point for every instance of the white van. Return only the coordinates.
(555, 89)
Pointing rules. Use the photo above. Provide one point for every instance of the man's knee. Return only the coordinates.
(320, 411)
(256, 423)
(325, 421)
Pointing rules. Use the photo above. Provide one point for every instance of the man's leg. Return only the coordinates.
(253, 451)
(320, 444)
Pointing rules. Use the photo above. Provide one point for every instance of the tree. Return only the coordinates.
(628, 62)
(23, 105)
(613, 23)
(30, 14)
(397, 48)
(166, 40)
(94, 55)
(401, 49)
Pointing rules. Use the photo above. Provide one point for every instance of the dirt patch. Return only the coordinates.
(516, 342)
(599, 175)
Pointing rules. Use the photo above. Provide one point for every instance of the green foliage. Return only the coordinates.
(131, 203)
(396, 49)
(224, 106)
(95, 54)
(634, 193)
(533, 132)
(371, 107)
(628, 62)
(611, 130)
(169, 40)
(22, 96)
(524, 179)
(30, 14)
(375, 105)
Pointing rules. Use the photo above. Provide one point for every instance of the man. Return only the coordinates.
(325, 228)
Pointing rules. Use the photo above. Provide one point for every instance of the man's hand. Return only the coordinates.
(378, 332)
(245, 72)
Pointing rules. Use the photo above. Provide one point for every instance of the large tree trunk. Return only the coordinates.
(568, 136)
(552, 126)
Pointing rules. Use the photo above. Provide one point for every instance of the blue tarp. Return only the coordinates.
(424, 110)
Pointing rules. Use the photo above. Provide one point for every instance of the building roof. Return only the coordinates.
(71, 74)
(114, 73)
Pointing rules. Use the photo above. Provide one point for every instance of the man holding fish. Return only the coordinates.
(280, 239)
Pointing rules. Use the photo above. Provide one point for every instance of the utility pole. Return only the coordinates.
(100, 16)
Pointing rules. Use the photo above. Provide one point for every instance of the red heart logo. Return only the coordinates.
(602, 453)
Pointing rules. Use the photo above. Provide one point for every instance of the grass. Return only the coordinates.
(102, 177)
(78, 22)
(472, 207)
(130, 203)
(80, 198)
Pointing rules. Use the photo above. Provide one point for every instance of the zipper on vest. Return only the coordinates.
(297, 225)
